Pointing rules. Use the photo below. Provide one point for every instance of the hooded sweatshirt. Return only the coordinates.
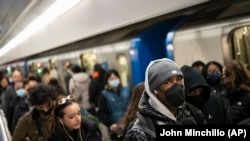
(154, 109)
(205, 102)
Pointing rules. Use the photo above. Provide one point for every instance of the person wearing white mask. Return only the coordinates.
(113, 101)
(23, 106)
(20, 91)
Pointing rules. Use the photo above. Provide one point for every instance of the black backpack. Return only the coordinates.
(146, 125)
(198, 117)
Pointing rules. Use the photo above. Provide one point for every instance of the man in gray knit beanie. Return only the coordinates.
(160, 71)
(162, 101)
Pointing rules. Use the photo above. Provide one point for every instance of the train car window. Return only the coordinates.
(123, 68)
(241, 44)
(88, 60)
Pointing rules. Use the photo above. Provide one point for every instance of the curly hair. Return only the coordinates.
(41, 94)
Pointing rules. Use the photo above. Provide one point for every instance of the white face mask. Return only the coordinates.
(114, 83)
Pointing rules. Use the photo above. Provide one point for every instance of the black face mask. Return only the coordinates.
(42, 112)
(195, 100)
(175, 95)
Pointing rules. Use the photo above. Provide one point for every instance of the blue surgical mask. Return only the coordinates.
(114, 83)
(21, 92)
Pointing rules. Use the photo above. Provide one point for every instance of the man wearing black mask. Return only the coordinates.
(163, 101)
(197, 92)
(38, 123)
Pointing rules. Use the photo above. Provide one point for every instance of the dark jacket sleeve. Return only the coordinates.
(92, 91)
(103, 112)
(92, 130)
(53, 136)
(20, 109)
(10, 103)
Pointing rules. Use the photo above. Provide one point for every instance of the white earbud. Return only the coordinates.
(156, 92)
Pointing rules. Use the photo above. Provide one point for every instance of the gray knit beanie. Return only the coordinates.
(160, 71)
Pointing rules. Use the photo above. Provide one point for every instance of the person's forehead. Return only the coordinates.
(16, 73)
(32, 83)
(213, 67)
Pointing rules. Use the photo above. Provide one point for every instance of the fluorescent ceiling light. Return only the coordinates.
(55, 10)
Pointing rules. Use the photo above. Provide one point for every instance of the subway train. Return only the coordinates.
(216, 31)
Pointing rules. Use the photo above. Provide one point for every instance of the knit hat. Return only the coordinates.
(160, 70)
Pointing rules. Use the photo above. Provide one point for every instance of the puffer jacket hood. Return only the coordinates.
(81, 78)
(193, 79)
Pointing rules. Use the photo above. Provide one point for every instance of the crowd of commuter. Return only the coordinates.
(39, 108)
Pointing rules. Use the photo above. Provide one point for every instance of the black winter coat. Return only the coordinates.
(239, 109)
(209, 102)
(21, 108)
(92, 132)
(184, 116)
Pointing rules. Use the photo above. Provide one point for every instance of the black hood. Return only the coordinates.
(193, 79)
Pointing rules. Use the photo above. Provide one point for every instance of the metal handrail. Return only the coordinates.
(4, 131)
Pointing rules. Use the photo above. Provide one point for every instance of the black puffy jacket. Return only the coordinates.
(135, 134)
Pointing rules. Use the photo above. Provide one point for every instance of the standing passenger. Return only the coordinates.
(162, 101)
(79, 85)
(4, 85)
(22, 106)
(70, 126)
(212, 73)
(197, 92)
(199, 66)
(131, 111)
(39, 122)
(236, 77)
(113, 100)
(11, 98)
(58, 88)
(96, 86)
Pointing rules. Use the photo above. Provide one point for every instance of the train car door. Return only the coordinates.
(241, 44)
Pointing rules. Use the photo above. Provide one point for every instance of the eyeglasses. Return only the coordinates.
(64, 99)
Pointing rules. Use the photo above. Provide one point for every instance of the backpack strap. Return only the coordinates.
(198, 117)
(146, 125)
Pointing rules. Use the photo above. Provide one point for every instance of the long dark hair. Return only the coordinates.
(59, 113)
(130, 114)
